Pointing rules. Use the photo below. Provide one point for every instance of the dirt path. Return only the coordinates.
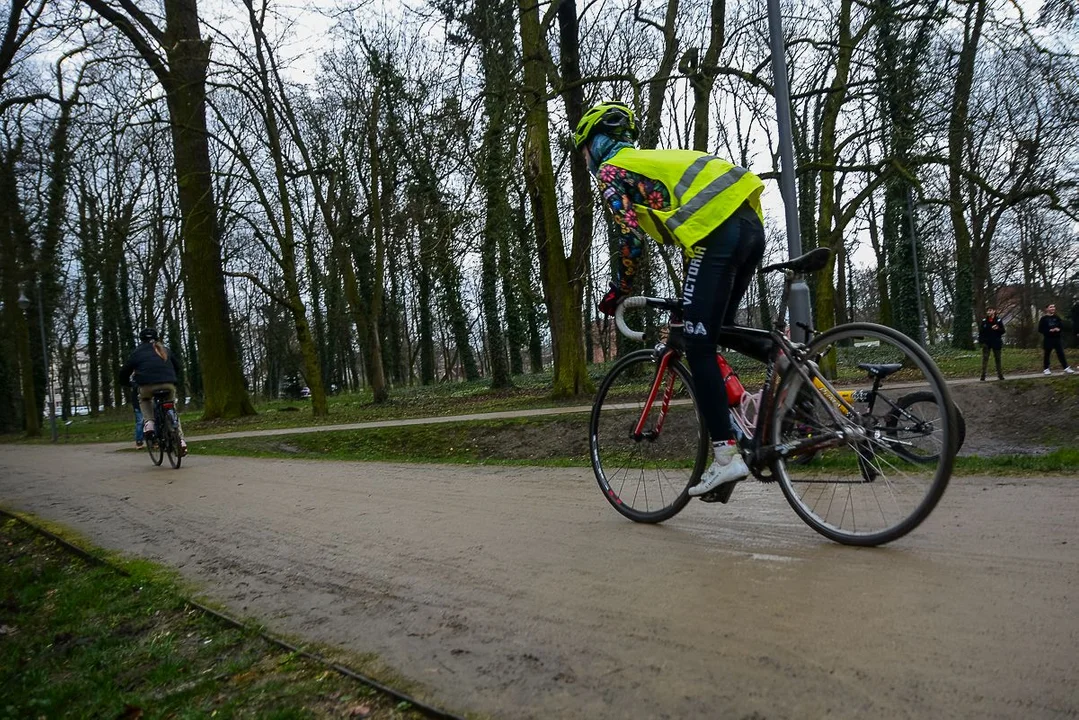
(520, 593)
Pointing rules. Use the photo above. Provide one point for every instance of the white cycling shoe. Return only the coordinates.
(721, 473)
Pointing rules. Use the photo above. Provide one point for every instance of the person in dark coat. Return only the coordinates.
(1052, 329)
(991, 336)
(155, 368)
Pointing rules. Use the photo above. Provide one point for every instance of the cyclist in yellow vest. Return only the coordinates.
(711, 209)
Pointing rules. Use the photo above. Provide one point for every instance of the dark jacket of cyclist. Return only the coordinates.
(709, 208)
(154, 367)
(149, 367)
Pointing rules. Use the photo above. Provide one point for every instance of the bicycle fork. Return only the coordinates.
(639, 433)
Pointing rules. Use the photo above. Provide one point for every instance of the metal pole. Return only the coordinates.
(799, 299)
(45, 356)
(914, 255)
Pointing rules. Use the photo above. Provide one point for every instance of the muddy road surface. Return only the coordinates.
(519, 593)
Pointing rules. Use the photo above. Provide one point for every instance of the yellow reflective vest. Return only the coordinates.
(705, 190)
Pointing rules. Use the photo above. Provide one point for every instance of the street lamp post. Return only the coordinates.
(24, 305)
(800, 315)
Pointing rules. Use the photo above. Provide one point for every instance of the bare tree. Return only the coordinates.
(178, 57)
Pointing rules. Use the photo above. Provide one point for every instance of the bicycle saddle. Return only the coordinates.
(880, 371)
(810, 262)
(163, 394)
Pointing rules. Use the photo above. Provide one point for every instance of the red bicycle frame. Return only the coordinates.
(664, 361)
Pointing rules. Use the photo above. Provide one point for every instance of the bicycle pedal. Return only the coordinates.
(720, 495)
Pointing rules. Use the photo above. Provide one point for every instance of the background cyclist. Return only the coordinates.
(711, 209)
(155, 368)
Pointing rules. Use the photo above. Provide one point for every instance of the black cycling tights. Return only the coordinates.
(717, 278)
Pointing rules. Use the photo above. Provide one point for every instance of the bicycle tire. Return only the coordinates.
(899, 415)
(655, 471)
(172, 447)
(914, 489)
(153, 444)
(157, 454)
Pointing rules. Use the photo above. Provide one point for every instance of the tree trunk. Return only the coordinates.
(525, 251)
(376, 372)
(704, 77)
(841, 285)
(286, 230)
(55, 217)
(765, 306)
(827, 234)
(561, 276)
(880, 251)
(188, 57)
(454, 307)
(194, 367)
(900, 274)
(958, 132)
(426, 325)
(89, 260)
(493, 23)
(314, 274)
(12, 283)
(657, 85)
(897, 71)
(516, 332)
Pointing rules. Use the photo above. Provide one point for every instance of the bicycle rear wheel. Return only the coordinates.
(154, 445)
(914, 424)
(172, 444)
(172, 449)
(645, 454)
(863, 488)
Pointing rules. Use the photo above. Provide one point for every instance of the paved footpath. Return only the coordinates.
(507, 414)
(519, 593)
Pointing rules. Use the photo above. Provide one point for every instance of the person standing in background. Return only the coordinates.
(991, 336)
(1052, 329)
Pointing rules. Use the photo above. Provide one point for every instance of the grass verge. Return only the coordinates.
(80, 640)
(456, 398)
(557, 441)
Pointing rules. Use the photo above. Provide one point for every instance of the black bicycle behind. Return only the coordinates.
(165, 439)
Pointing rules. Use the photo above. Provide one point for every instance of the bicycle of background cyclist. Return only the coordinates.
(165, 437)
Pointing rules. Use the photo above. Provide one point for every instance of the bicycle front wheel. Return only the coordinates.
(154, 447)
(867, 486)
(648, 440)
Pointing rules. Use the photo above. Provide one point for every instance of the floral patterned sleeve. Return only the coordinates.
(621, 190)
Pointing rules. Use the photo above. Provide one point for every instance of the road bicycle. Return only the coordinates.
(649, 443)
(165, 439)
